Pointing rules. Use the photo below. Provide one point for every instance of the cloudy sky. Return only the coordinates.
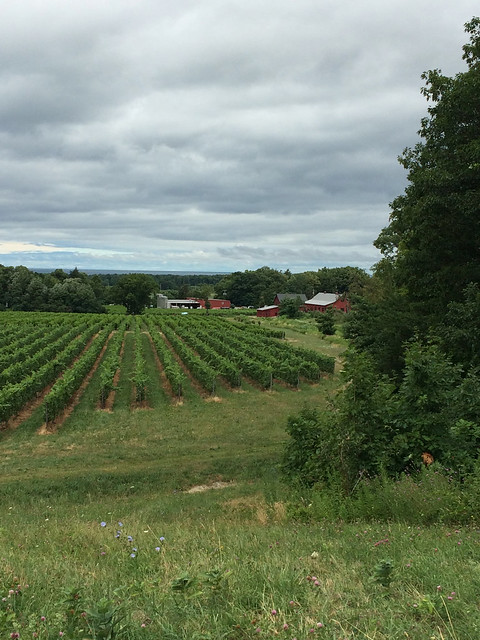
(210, 135)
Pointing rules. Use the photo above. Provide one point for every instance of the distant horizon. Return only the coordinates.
(124, 271)
(180, 272)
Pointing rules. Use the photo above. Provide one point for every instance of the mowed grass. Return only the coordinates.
(173, 522)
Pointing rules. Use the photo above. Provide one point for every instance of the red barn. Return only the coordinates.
(215, 303)
(323, 301)
(269, 311)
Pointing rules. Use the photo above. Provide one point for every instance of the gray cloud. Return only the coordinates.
(219, 135)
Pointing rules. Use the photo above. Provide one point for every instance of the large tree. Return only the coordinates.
(433, 239)
(135, 291)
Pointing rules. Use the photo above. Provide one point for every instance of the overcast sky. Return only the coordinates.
(211, 135)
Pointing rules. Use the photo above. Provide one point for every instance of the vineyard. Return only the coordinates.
(47, 360)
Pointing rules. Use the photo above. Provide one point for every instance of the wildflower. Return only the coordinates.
(129, 538)
(102, 553)
(15, 634)
(103, 524)
(117, 535)
(162, 539)
(134, 549)
(132, 555)
(449, 598)
(314, 554)
(143, 625)
(60, 633)
(319, 625)
(43, 618)
(157, 548)
(120, 524)
(439, 587)
(273, 612)
(285, 626)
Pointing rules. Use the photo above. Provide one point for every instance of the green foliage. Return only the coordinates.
(383, 572)
(24, 290)
(104, 619)
(326, 322)
(412, 380)
(134, 291)
(250, 288)
(290, 307)
(460, 330)
(433, 264)
(375, 427)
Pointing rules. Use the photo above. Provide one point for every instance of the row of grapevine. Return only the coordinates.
(245, 346)
(64, 388)
(111, 364)
(267, 332)
(18, 341)
(172, 369)
(253, 363)
(14, 396)
(248, 352)
(200, 370)
(225, 367)
(140, 377)
(42, 350)
(284, 350)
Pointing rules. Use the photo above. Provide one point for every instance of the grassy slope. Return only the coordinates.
(235, 557)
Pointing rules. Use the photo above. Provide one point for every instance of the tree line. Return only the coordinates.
(22, 289)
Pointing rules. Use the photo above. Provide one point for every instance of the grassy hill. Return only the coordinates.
(172, 521)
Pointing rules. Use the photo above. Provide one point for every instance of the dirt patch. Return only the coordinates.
(255, 508)
(199, 488)
(213, 399)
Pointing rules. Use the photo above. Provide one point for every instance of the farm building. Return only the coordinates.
(164, 303)
(323, 301)
(192, 303)
(280, 297)
(268, 311)
(215, 303)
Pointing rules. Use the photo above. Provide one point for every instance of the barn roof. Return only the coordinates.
(323, 299)
(291, 296)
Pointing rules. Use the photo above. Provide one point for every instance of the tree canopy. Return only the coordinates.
(412, 376)
(135, 291)
(433, 238)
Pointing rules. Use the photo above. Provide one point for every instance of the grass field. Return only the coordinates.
(173, 522)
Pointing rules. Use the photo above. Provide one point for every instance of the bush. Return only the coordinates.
(326, 322)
